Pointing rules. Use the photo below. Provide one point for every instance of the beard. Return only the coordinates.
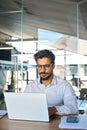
(47, 77)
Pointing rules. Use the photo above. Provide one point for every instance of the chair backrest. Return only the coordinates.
(83, 93)
(1, 94)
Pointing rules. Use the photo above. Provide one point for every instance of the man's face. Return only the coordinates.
(45, 68)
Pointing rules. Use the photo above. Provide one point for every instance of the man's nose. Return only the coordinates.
(42, 67)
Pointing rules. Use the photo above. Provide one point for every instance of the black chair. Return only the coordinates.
(1, 95)
(83, 94)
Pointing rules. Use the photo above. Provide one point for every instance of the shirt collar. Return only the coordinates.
(54, 81)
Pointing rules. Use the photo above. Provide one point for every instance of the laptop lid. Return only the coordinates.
(27, 106)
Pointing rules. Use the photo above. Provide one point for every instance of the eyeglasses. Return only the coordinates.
(46, 66)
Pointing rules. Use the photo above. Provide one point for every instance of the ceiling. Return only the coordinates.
(22, 19)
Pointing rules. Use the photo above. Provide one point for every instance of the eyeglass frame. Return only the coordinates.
(46, 66)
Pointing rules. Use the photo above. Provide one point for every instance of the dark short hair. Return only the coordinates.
(45, 53)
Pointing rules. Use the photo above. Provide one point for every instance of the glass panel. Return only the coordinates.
(10, 27)
(23, 29)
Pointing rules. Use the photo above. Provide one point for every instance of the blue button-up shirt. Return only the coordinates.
(59, 93)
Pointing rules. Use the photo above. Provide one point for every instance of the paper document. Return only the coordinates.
(82, 124)
(3, 113)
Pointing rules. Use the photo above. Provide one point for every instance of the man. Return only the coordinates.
(60, 95)
(76, 81)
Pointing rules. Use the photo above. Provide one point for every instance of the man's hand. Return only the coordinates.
(52, 110)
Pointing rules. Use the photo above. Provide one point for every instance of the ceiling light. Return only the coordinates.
(4, 46)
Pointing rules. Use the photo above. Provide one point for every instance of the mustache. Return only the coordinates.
(43, 73)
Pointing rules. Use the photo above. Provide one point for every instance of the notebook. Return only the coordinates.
(27, 106)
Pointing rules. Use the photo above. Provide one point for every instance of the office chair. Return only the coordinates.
(83, 94)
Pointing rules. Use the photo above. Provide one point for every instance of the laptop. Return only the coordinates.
(27, 106)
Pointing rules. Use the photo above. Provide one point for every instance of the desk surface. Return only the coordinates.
(6, 124)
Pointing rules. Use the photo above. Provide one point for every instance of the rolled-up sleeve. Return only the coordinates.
(70, 105)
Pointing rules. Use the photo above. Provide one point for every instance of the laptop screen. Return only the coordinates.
(27, 106)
